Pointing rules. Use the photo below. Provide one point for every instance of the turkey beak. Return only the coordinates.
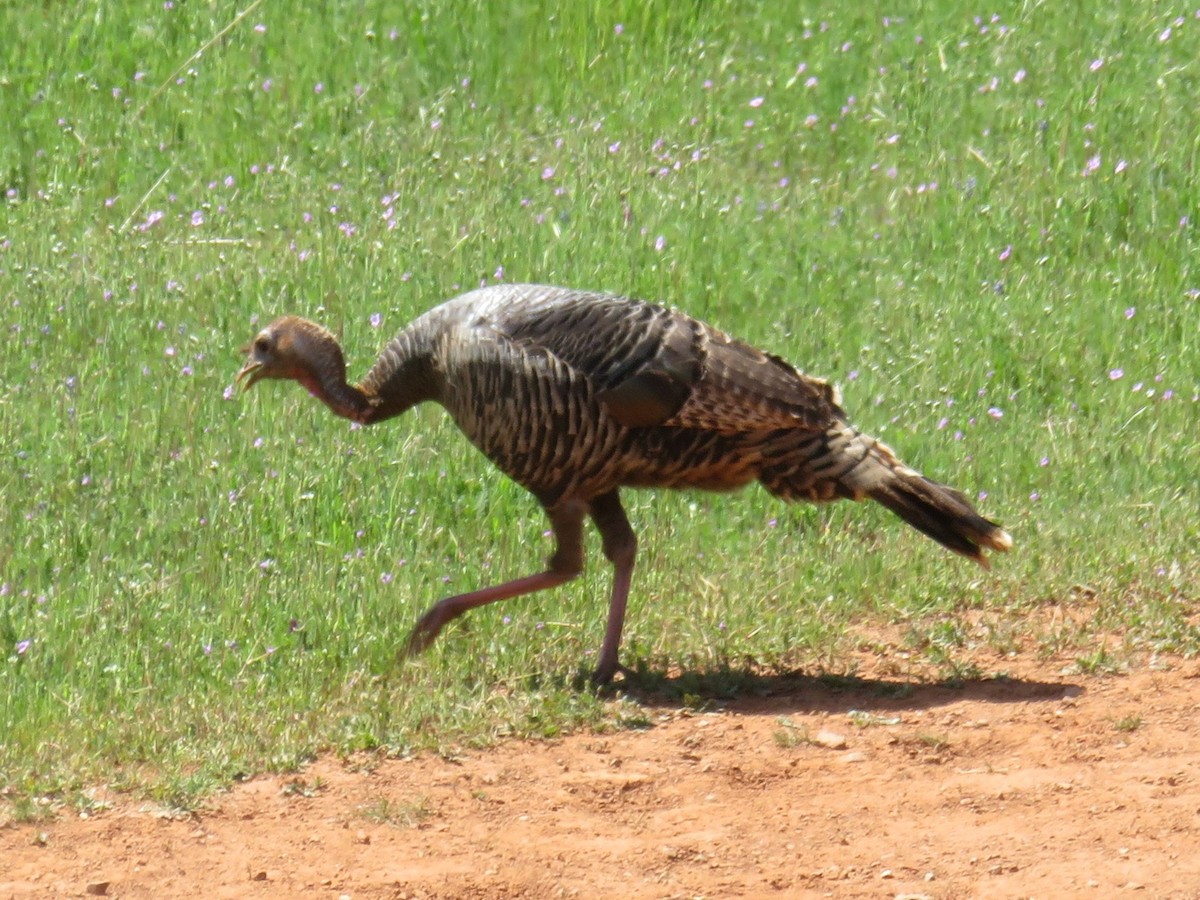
(251, 371)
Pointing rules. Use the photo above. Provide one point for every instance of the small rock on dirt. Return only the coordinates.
(830, 739)
(97, 888)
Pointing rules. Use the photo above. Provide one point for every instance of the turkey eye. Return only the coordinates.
(262, 345)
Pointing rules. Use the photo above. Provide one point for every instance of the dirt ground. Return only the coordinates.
(1046, 785)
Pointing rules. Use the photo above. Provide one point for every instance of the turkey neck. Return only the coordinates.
(402, 377)
(327, 382)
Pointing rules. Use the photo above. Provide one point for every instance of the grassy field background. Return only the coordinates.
(982, 227)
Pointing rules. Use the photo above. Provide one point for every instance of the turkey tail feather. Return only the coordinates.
(941, 512)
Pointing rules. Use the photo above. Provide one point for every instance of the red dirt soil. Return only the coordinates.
(1044, 785)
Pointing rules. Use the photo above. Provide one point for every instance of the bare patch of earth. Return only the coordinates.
(1040, 785)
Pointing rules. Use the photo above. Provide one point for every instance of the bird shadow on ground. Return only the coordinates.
(751, 691)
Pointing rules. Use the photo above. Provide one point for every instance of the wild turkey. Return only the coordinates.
(575, 395)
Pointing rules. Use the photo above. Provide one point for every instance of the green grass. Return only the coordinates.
(946, 216)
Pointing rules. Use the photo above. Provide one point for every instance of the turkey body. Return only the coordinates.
(575, 395)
